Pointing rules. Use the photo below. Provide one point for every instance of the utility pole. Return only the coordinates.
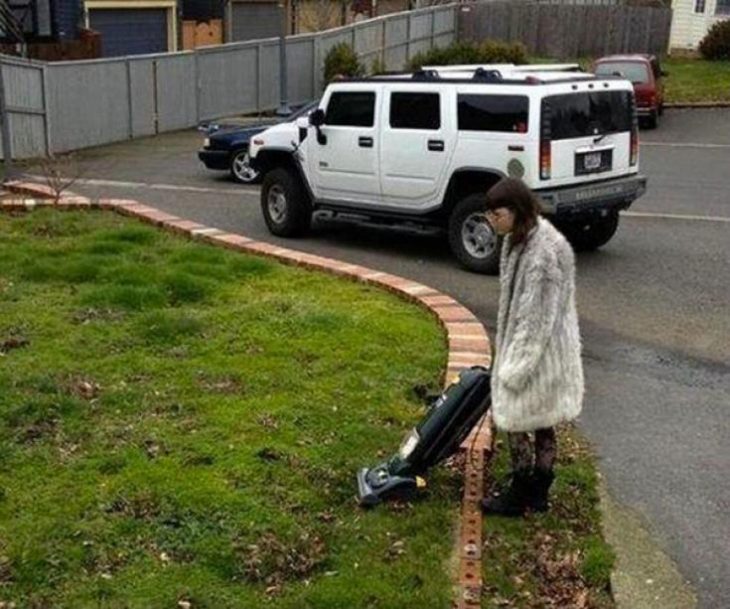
(283, 109)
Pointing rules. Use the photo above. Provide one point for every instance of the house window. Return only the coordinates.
(723, 7)
(699, 6)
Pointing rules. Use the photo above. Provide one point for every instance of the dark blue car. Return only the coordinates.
(226, 146)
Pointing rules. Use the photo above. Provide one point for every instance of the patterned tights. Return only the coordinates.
(520, 448)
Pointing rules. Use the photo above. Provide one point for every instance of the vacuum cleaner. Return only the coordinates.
(447, 422)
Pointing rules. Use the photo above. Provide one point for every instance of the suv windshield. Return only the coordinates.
(635, 71)
(575, 115)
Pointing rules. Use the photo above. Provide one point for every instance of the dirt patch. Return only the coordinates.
(274, 561)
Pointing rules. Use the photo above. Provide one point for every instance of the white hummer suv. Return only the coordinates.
(424, 148)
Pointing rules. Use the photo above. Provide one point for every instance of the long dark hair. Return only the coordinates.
(517, 197)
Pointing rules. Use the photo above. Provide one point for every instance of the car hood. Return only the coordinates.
(236, 133)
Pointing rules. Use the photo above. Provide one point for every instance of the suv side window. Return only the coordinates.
(503, 113)
(415, 111)
(351, 109)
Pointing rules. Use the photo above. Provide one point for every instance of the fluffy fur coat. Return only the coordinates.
(537, 375)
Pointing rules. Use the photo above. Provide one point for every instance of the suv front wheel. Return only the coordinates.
(472, 239)
(285, 204)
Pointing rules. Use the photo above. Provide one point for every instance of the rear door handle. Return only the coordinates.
(365, 142)
(436, 145)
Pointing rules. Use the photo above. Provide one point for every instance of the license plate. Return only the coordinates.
(592, 161)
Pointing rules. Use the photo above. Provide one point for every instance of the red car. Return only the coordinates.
(645, 74)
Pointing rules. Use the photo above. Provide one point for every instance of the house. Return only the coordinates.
(202, 23)
(133, 27)
(692, 19)
(251, 20)
(49, 30)
(39, 20)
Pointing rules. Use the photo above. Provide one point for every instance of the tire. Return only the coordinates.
(472, 240)
(241, 170)
(285, 203)
(652, 121)
(587, 236)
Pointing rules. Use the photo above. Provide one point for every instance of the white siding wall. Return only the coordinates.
(688, 27)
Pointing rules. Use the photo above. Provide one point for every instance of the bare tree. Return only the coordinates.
(60, 172)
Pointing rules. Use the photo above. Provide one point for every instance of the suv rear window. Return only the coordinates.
(635, 71)
(493, 112)
(575, 115)
(351, 109)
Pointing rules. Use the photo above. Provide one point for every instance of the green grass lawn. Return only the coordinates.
(689, 80)
(697, 80)
(181, 423)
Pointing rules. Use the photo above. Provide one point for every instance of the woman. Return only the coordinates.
(537, 375)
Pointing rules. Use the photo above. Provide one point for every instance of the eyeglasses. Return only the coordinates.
(496, 214)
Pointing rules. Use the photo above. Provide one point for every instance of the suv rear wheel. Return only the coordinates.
(592, 235)
(472, 239)
(285, 204)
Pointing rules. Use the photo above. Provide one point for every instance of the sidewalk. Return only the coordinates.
(644, 577)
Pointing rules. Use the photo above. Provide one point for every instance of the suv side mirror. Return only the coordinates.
(316, 118)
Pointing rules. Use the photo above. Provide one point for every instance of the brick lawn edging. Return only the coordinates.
(467, 340)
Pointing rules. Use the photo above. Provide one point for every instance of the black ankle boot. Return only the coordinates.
(540, 487)
(512, 502)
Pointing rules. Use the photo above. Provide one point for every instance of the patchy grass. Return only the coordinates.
(183, 423)
(689, 80)
(697, 80)
(554, 560)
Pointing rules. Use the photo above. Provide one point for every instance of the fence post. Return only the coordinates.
(130, 98)
(198, 87)
(408, 39)
(648, 14)
(316, 60)
(46, 111)
(382, 43)
(259, 75)
(155, 98)
(4, 116)
(433, 27)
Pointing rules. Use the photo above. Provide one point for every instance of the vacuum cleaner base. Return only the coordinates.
(378, 484)
(446, 424)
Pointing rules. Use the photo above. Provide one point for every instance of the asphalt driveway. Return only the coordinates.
(654, 307)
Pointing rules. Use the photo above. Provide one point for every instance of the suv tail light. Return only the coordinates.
(634, 155)
(545, 143)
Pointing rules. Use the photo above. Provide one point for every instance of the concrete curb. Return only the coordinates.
(677, 105)
(467, 338)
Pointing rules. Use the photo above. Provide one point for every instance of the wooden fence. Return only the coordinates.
(568, 31)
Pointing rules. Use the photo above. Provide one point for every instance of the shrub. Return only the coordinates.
(489, 51)
(716, 44)
(378, 67)
(341, 60)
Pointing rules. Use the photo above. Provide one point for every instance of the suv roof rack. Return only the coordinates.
(511, 67)
(426, 75)
(483, 75)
